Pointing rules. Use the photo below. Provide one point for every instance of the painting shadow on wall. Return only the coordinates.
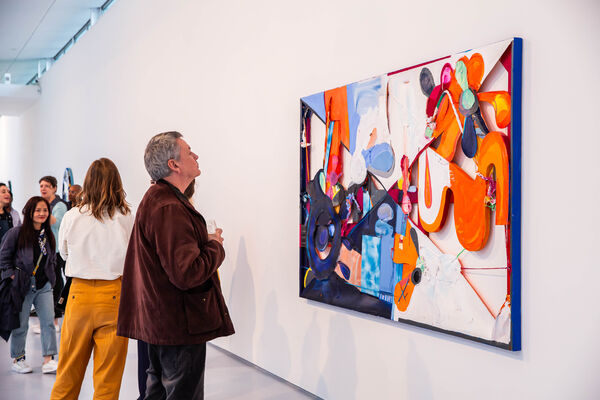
(340, 366)
(242, 305)
(274, 345)
(413, 328)
(311, 350)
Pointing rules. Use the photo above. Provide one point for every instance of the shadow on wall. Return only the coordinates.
(340, 367)
(242, 305)
(274, 346)
(311, 350)
(418, 384)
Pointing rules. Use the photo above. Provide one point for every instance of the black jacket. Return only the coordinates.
(19, 263)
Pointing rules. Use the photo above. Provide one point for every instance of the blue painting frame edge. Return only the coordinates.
(515, 222)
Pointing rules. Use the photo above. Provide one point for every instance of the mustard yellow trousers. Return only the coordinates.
(90, 324)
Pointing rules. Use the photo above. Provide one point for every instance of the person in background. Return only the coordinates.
(74, 196)
(58, 208)
(14, 213)
(93, 239)
(27, 257)
(6, 218)
(171, 293)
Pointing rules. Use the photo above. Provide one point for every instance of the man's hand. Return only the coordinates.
(52, 219)
(12, 277)
(216, 236)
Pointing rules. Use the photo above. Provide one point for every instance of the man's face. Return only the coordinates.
(187, 163)
(74, 192)
(46, 190)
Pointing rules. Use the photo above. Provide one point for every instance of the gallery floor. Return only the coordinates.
(227, 377)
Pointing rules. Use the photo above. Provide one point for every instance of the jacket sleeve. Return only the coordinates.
(187, 262)
(7, 253)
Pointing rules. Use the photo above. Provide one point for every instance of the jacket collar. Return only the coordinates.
(181, 197)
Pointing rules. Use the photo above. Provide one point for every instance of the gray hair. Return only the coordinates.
(160, 149)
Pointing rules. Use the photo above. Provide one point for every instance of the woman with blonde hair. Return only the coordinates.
(93, 239)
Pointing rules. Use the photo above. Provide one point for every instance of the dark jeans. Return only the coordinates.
(176, 372)
(143, 364)
(58, 286)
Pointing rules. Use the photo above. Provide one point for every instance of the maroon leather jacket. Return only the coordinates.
(170, 292)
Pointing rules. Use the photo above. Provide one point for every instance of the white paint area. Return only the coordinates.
(406, 110)
(444, 298)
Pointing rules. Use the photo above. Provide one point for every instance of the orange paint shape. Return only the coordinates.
(427, 182)
(475, 70)
(471, 216)
(336, 108)
(450, 137)
(436, 225)
(501, 102)
(403, 291)
(493, 153)
(407, 253)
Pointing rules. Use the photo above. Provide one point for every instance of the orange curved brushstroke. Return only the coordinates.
(436, 225)
(493, 153)
(450, 137)
(455, 89)
(471, 216)
(475, 70)
(501, 102)
(427, 187)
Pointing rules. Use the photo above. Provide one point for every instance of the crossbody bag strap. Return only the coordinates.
(37, 265)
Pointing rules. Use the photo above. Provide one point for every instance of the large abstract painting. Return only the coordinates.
(410, 195)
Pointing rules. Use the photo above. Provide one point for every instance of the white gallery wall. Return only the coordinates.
(229, 75)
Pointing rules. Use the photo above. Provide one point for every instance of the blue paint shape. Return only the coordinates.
(331, 229)
(369, 274)
(382, 228)
(361, 96)
(400, 220)
(379, 159)
(385, 212)
(316, 102)
(469, 138)
(366, 202)
(398, 269)
(345, 270)
(387, 269)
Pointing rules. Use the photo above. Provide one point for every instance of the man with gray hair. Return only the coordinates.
(171, 294)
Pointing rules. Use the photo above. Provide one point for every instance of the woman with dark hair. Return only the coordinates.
(6, 218)
(27, 257)
(16, 218)
(93, 240)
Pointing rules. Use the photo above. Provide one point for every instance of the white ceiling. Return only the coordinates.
(31, 30)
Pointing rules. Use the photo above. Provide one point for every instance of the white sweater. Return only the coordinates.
(94, 249)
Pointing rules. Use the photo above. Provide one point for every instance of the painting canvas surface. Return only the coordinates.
(410, 195)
